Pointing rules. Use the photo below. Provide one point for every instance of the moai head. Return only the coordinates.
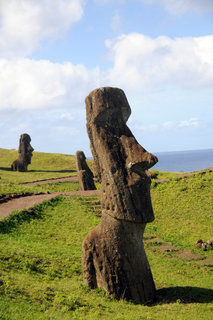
(120, 161)
(81, 161)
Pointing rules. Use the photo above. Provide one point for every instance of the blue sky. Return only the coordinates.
(53, 53)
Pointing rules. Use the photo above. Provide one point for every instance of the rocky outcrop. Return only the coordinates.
(113, 255)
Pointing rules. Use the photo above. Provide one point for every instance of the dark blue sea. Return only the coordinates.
(184, 161)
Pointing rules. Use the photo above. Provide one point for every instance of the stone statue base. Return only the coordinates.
(114, 259)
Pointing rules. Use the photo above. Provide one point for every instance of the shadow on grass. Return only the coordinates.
(59, 171)
(184, 295)
(5, 169)
(14, 220)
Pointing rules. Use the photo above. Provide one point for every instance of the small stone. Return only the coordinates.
(204, 246)
(199, 241)
(209, 243)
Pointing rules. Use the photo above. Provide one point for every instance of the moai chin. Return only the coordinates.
(85, 175)
(25, 154)
(113, 255)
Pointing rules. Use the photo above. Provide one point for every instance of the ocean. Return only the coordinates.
(184, 161)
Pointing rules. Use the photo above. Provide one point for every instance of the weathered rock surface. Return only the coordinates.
(25, 154)
(85, 175)
(113, 255)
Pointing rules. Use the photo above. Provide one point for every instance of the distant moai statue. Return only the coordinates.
(84, 173)
(25, 154)
(113, 255)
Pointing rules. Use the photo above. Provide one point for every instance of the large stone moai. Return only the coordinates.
(85, 175)
(113, 255)
(25, 154)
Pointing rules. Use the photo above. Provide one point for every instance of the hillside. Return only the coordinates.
(40, 253)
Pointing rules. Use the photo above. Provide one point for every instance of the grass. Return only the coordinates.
(40, 274)
(183, 210)
(158, 175)
(40, 256)
(47, 187)
(43, 166)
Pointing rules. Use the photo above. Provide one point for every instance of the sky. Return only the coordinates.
(53, 53)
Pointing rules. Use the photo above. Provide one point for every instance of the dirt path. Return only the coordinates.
(29, 201)
(70, 179)
(26, 202)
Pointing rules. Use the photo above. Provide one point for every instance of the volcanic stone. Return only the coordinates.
(113, 255)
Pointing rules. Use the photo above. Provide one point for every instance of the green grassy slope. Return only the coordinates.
(184, 209)
(43, 166)
(40, 257)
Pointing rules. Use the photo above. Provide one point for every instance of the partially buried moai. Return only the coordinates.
(25, 154)
(113, 255)
(85, 175)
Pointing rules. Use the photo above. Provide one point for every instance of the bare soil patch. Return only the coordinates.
(62, 179)
(206, 262)
(29, 201)
(7, 197)
(167, 248)
(187, 255)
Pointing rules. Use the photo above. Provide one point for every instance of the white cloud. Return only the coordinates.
(103, 2)
(142, 63)
(148, 128)
(191, 123)
(66, 130)
(183, 6)
(30, 85)
(67, 116)
(116, 23)
(172, 6)
(168, 125)
(25, 23)
(20, 127)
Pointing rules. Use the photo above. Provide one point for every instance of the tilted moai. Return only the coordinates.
(25, 154)
(85, 175)
(113, 255)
